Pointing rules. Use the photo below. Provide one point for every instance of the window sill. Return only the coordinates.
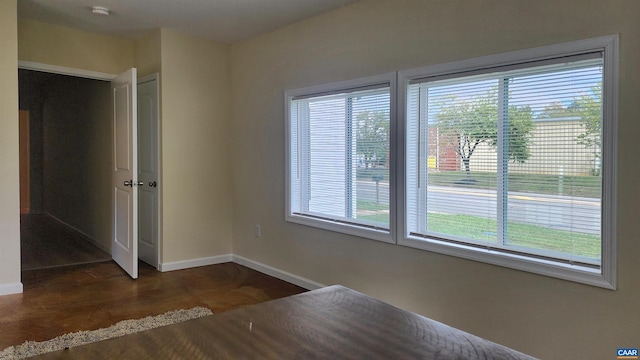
(361, 231)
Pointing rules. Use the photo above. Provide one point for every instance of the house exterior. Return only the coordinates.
(553, 145)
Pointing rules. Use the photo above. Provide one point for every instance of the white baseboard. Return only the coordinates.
(265, 269)
(12, 288)
(186, 264)
(277, 273)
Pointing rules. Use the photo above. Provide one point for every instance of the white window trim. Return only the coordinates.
(604, 277)
(370, 233)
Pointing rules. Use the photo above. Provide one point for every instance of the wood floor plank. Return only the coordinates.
(329, 323)
(70, 285)
(92, 296)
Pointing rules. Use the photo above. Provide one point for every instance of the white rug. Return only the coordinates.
(32, 348)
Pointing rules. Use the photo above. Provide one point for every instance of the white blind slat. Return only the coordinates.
(345, 146)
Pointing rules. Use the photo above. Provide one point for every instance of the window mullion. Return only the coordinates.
(423, 130)
(502, 173)
(304, 154)
(349, 144)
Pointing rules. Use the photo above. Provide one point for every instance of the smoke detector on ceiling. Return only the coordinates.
(100, 10)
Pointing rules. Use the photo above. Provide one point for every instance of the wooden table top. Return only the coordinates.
(329, 323)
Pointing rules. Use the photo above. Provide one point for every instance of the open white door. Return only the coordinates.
(124, 248)
(148, 170)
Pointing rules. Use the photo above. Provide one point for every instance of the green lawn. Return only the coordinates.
(374, 212)
(530, 236)
(483, 229)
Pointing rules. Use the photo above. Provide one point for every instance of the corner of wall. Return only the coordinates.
(10, 204)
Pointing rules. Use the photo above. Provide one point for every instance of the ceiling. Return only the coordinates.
(221, 20)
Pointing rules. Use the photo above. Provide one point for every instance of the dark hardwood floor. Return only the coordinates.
(71, 285)
(45, 243)
(91, 296)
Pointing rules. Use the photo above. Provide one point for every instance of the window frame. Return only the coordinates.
(334, 88)
(605, 276)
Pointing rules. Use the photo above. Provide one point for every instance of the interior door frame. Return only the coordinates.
(62, 70)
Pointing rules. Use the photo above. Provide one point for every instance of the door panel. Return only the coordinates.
(125, 170)
(148, 171)
(147, 238)
(146, 152)
(122, 223)
(123, 128)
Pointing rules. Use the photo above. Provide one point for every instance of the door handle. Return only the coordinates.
(133, 183)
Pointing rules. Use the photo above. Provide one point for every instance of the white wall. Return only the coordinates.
(543, 316)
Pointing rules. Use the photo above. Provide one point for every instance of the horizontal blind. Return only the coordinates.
(554, 194)
(509, 160)
(340, 156)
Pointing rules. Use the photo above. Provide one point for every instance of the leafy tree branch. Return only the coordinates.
(469, 123)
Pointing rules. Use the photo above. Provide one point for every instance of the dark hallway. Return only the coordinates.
(66, 220)
(47, 243)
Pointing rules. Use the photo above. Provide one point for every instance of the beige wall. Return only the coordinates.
(147, 52)
(62, 46)
(546, 317)
(9, 206)
(196, 137)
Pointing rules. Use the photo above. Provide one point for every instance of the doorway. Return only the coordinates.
(70, 151)
(68, 161)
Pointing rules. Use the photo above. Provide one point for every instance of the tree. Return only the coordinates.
(556, 110)
(469, 123)
(589, 108)
(372, 137)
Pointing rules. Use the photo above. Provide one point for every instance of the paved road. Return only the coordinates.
(559, 212)
(366, 190)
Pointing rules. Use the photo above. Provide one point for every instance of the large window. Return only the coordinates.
(339, 156)
(509, 159)
(506, 159)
